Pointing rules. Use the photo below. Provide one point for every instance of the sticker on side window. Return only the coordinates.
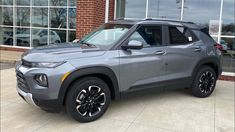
(190, 39)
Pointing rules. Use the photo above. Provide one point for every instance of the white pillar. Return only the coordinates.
(106, 11)
(220, 20)
(147, 9)
(115, 9)
(182, 10)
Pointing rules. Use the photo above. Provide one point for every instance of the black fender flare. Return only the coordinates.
(79, 73)
(208, 60)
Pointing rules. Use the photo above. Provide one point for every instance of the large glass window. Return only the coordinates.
(23, 16)
(40, 17)
(201, 11)
(72, 36)
(120, 8)
(230, 42)
(58, 2)
(72, 18)
(23, 37)
(228, 21)
(40, 2)
(37, 22)
(72, 2)
(6, 16)
(135, 9)
(57, 36)
(23, 2)
(7, 36)
(58, 17)
(39, 37)
(7, 2)
(164, 9)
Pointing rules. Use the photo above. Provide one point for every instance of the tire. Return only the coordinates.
(88, 99)
(204, 82)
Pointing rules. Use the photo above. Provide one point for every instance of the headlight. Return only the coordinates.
(46, 64)
(41, 80)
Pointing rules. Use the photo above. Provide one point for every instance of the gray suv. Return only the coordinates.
(119, 58)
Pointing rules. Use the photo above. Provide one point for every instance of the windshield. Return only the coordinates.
(106, 36)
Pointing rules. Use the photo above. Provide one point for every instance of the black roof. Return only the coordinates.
(133, 21)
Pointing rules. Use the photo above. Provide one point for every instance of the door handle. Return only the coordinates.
(197, 49)
(161, 52)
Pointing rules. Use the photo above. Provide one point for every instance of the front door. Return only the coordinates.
(143, 67)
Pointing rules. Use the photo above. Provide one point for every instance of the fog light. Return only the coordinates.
(41, 80)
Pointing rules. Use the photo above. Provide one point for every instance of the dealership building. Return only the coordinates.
(32, 23)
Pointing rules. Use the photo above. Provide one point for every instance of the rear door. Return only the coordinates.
(182, 54)
(143, 68)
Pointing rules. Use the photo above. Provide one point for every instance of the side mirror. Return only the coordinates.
(133, 44)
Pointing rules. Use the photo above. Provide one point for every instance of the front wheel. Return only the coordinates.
(204, 82)
(88, 99)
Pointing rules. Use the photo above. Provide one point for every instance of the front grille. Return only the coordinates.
(26, 63)
(21, 82)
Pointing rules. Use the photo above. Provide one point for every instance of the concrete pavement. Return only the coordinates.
(168, 111)
(9, 56)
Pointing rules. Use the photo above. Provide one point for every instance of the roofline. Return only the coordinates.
(154, 19)
(191, 25)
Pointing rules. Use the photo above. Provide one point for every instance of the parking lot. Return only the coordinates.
(167, 111)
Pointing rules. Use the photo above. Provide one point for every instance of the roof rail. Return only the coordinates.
(154, 19)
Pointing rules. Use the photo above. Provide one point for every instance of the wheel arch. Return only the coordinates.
(211, 62)
(104, 73)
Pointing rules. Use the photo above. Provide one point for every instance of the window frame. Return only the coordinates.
(125, 42)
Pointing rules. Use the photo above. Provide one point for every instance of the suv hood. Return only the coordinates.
(60, 52)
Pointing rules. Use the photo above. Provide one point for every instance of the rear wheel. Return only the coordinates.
(88, 99)
(204, 82)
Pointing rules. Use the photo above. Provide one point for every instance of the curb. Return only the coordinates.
(226, 78)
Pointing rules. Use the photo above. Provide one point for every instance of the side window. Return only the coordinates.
(149, 35)
(138, 37)
(180, 35)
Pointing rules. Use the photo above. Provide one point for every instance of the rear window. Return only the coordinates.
(180, 35)
(203, 35)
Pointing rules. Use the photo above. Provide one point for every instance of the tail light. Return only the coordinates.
(218, 46)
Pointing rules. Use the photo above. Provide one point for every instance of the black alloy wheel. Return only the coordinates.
(88, 99)
(204, 82)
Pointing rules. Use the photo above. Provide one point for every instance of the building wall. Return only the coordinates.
(90, 15)
(32, 23)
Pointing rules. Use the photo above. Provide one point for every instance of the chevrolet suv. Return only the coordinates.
(120, 57)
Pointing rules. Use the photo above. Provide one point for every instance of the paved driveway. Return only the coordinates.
(168, 111)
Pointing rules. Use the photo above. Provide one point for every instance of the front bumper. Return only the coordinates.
(26, 96)
(49, 105)
(46, 98)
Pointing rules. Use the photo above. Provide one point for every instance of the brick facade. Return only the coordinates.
(111, 9)
(90, 15)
